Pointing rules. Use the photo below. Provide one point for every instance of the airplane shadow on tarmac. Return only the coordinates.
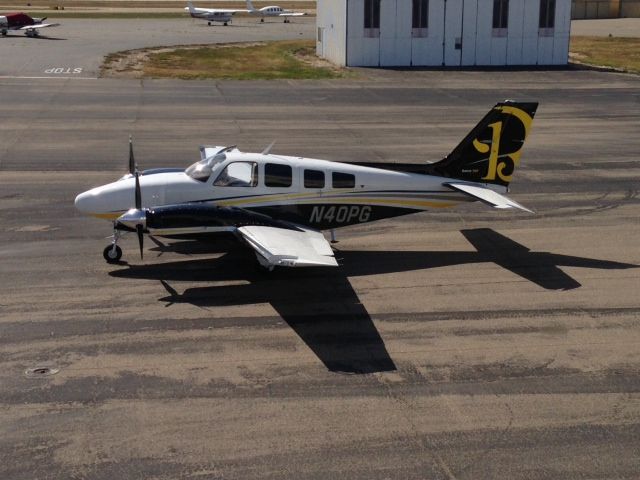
(321, 306)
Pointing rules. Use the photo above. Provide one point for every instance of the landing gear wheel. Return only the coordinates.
(209, 23)
(225, 24)
(112, 255)
(262, 20)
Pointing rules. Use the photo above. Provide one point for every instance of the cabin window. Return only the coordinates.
(277, 175)
(343, 180)
(238, 174)
(313, 179)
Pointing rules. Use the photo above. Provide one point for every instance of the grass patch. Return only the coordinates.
(614, 52)
(264, 61)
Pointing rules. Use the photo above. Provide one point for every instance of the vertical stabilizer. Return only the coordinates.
(491, 152)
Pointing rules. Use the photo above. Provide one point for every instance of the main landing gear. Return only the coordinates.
(113, 253)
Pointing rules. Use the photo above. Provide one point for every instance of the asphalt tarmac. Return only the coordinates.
(78, 46)
(464, 344)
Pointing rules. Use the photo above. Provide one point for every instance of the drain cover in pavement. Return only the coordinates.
(36, 372)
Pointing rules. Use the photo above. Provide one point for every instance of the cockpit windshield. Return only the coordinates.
(200, 170)
(209, 157)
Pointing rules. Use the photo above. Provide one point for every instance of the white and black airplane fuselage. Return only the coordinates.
(279, 204)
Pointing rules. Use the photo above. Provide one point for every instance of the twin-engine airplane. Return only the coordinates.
(273, 11)
(21, 21)
(225, 15)
(278, 205)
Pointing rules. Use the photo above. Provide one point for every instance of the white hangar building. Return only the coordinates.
(444, 32)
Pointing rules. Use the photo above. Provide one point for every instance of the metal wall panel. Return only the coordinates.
(428, 50)
(561, 34)
(403, 34)
(484, 30)
(516, 32)
(531, 13)
(393, 41)
(498, 51)
(545, 50)
(332, 19)
(453, 33)
(361, 51)
(469, 22)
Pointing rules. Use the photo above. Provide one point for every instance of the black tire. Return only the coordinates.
(4, 33)
(225, 24)
(262, 20)
(209, 23)
(110, 256)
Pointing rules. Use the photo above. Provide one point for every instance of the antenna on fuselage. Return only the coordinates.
(267, 150)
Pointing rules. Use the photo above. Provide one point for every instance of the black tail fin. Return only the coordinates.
(491, 151)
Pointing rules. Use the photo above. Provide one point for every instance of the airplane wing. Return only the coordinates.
(486, 195)
(292, 14)
(216, 10)
(224, 10)
(289, 248)
(39, 25)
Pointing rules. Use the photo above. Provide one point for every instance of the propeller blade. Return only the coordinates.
(132, 163)
(140, 232)
(138, 192)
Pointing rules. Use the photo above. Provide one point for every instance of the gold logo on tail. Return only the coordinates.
(498, 160)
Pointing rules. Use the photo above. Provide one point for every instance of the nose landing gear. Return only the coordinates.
(113, 253)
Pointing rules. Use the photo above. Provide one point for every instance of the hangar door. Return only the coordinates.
(443, 42)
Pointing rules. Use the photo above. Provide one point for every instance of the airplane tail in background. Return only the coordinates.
(190, 7)
(491, 152)
(250, 6)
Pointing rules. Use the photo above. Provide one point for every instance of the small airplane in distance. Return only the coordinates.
(272, 11)
(278, 204)
(22, 21)
(220, 15)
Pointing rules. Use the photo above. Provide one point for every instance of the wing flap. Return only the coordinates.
(289, 248)
(486, 195)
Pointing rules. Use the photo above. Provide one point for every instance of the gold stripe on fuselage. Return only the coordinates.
(313, 198)
(107, 216)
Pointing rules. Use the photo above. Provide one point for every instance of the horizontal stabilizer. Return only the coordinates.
(289, 248)
(486, 195)
(39, 25)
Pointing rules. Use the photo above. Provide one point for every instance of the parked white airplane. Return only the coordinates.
(272, 11)
(278, 204)
(221, 15)
(21, 21)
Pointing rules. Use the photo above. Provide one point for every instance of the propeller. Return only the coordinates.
(132, 163)
(135, 218)
(139, 226)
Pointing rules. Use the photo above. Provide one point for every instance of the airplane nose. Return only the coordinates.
(80, 200)
(85, 201)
